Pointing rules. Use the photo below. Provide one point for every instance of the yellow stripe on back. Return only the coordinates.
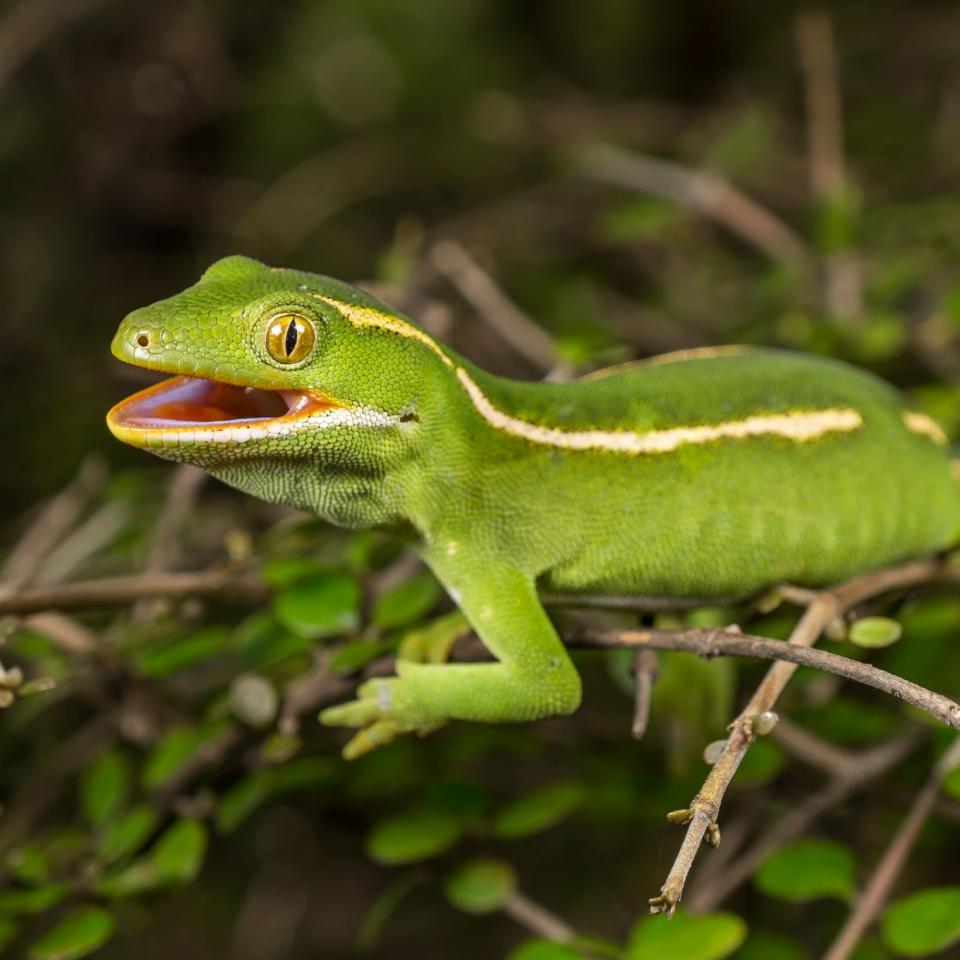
(798, 426)
(922, 424)
(676, 356)
(371, 318)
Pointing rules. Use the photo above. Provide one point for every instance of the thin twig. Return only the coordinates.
(710, 892)
(538, 919)
(50, 525)
(493, 305)
(119, 590)
(871, 901)
(644, 676)
(828, 174)
(730, 643)
(810, 748)
(701, 190)
(182, 493)
(701, 816)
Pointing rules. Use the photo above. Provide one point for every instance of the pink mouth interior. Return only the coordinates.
(184, 401)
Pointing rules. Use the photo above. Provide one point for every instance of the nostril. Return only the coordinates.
(143, 340)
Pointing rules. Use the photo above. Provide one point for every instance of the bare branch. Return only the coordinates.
(53, 521)
(710, 892)
(871, 901)
(181, 495)
(523, 334)
(538, 919)
(731, 643)
(702, 814)
(114, 590)
(828, 174)
(703, 191)
(644, 676)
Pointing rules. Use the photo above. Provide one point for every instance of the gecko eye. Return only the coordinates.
(290, 338)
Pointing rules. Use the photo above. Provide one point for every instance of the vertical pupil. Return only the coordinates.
(290, 341)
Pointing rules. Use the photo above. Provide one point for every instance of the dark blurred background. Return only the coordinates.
(635, 176)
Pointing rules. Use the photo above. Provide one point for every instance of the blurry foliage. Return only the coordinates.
(140, 142)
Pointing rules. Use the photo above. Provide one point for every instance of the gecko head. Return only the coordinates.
(264, 365)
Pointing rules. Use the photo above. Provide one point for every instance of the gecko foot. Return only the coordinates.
(384, 709)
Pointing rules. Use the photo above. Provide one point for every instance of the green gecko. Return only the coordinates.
(703, 474)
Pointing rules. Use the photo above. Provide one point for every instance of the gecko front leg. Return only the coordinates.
(532, 676)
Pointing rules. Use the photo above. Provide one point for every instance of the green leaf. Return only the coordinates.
(104, 787)
(178, 855)
(762, 762)
(36, 900)
(241, 800)
(481, 885)
(544, 950)
(356, 654)
(175, 858)
(8, 932)
(683, 937)
(406, 602)
(767, 945)
(951, 783)
(923, 922)
(808, 869)
(322, 605)
(178, 654)
(875, 632)
(126, 836)
(77, 935)
(414, 836)
(539, 809)
(380, 911)
(175, 749)
(28, 864)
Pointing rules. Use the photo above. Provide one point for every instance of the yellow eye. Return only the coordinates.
(290, 338)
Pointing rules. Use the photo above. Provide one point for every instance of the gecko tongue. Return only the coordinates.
(182, 401)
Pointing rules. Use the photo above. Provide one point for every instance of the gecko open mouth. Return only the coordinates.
(192, 408)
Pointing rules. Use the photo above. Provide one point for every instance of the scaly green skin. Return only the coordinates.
(482, 475)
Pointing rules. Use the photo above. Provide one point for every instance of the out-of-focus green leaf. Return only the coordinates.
(125, 836)
(481, 885)
(176, 858)
(319, 606)
(539, 809)
(175, 655)
(178, 854)
(762, 762)
(175, 749)
(874, 632)
(545, 950)
(409, 837)
(923, 923)
(406, 602)
(77, 935)
(767, 945)
(309, 773)
(281, 571)
(683, 937)
(8, 931)
(28, 864)
(34, 900)
(104, 787)
(808, 869)
(845, 720)
(356, 654)
(382, 909)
